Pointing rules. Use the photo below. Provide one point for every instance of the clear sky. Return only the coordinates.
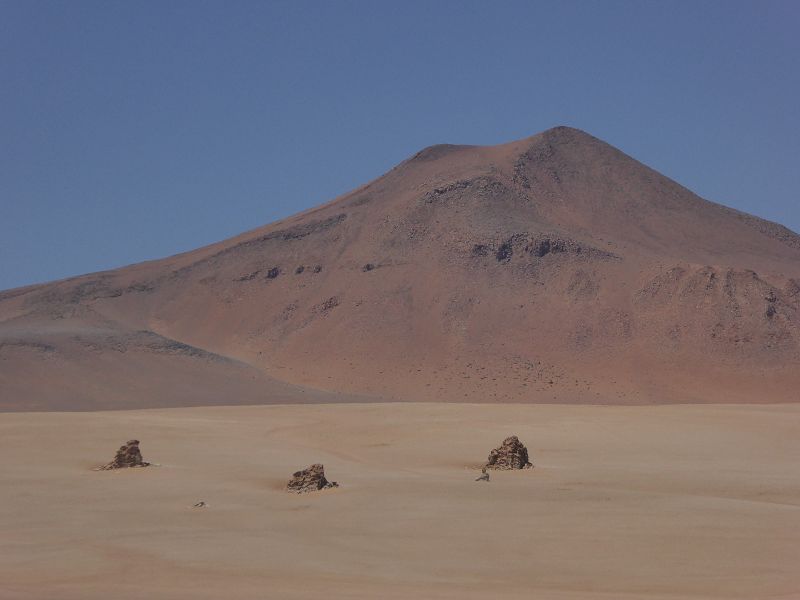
(135, 130)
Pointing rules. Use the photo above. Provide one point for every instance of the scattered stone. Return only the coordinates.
(128, 456)
(512, 454)
(318, 268)
(484, 476)
(310, 480)
(273, 273)
(200, 504)
(368, 267)
(299, 270)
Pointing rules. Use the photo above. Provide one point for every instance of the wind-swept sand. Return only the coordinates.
(623, 502)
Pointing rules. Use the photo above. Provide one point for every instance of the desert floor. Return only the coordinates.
(624, 502)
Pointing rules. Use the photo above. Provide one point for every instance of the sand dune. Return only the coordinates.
(672, 502)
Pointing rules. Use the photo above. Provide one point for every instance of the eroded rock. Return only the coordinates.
(127, 456)
(310, 480)
(512, 454)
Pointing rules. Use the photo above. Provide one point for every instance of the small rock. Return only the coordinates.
(310, 480)
(127, 456)
(484, 476)
(512, 454)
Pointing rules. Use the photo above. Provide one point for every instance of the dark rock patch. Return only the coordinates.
(504, 252)
(484, 187)
(273, 273)
(539, 246)
(542, 246)
(299, 270)
(300, 231)
(368, 267)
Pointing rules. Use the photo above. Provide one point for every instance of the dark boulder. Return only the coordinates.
(311, 479)
(127, 456)
(512, 454)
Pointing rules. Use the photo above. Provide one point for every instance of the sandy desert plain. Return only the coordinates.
(623, 502)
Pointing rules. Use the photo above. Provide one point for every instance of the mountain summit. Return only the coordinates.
(551, 269)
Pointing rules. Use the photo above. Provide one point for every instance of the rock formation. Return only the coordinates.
(127, 456)
(310, 480)
(512, 454)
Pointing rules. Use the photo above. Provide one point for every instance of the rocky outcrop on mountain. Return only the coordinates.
(512, 454)
(127, 456)
(311, 479)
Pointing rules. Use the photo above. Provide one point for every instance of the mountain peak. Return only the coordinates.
(565, 131)
(563, 134)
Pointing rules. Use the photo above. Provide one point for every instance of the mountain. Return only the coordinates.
(551, 269)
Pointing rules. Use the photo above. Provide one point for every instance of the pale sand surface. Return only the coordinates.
(625, 502)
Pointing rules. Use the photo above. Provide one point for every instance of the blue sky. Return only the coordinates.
(135, 130)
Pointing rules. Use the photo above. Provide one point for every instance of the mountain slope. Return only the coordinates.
(551, 269)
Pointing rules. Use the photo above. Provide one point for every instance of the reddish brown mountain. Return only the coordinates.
(551, 269)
